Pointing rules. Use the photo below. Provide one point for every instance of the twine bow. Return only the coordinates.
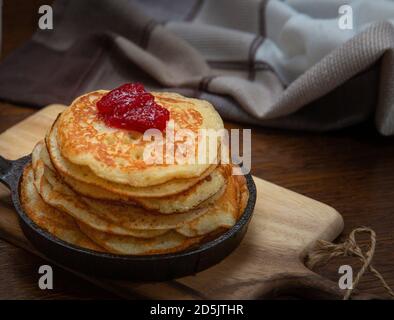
(325, 251)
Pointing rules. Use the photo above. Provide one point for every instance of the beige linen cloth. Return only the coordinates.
(284, 64)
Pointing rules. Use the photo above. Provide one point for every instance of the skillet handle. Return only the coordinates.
(5, 171)
(10, 170)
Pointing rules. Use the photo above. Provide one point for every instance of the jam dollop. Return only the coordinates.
(130, 107)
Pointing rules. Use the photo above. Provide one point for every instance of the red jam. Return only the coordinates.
(131, 107)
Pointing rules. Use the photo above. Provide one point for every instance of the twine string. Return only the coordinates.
(326, 251)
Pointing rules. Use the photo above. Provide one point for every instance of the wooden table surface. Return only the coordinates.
(351, 170)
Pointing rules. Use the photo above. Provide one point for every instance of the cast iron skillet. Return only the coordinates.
(137, 268)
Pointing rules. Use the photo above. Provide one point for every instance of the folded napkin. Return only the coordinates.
(283, 64)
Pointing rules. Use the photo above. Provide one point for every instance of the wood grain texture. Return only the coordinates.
(350, 169)
(284, 226)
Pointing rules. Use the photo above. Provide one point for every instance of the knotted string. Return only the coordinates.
(325, 251)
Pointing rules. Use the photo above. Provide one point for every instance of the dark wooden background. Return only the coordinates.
(351, 170)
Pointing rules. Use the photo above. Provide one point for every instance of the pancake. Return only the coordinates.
(117, 155)
(224, 213)
(50, 219)
(85, 180)
(198, 196)
(128, 220)
(167, 243)
(105, 216)
(201, 194)
(89, 184)
(65, 228)
(195, 196)
(243, 193)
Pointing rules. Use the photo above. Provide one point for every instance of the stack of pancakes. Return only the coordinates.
(89, 185)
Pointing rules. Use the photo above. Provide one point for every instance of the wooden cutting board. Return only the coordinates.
(269, 260)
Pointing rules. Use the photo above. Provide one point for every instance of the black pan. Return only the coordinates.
(137, 268)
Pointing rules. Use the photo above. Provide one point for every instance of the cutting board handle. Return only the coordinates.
(307, 284)
(315, 286)
(312, 286)
(304, 285)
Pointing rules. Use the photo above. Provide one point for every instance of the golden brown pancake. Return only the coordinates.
(50, 219)
(89, 185)
(223, 213)
(83, 178)
(166, 243)
(243, 194)
(65, 228)
(196, 196)
(117, 155)
(128, 220)
(105, 216)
